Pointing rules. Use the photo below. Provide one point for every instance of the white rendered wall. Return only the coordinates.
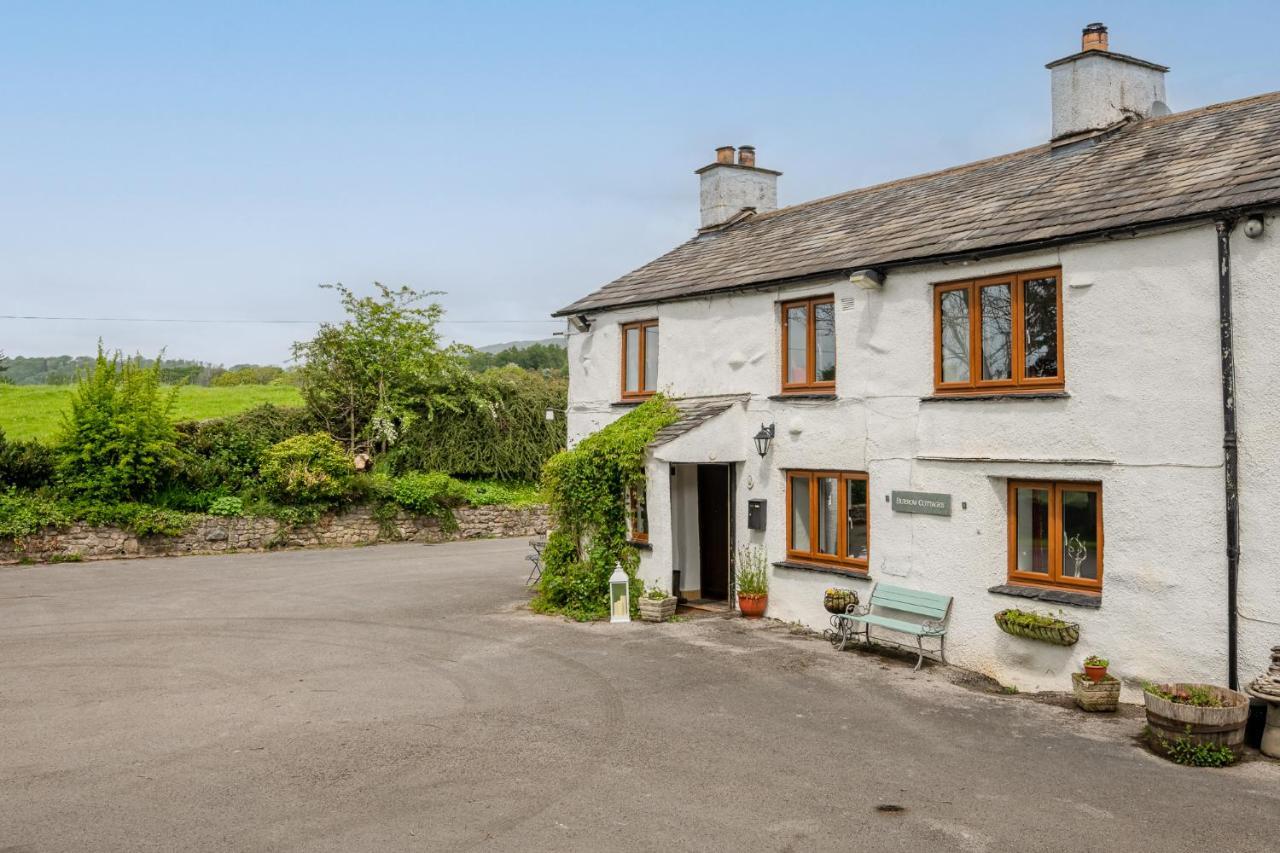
(1143, 418)
(1256, 304)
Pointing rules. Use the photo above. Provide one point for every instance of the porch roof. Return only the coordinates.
(694, 412)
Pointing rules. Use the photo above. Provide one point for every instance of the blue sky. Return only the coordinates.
(218, 161)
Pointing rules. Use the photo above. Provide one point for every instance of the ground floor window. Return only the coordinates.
(1055, 533)
(827, 518)
(638, 514)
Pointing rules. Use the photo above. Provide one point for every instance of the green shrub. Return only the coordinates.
(434, 494)
(586, 488)
(227, 507)
(25, 464)
(23, 515)
(157, 521)
(117, 442)
(223, 455)
(306, 469)
(496, 493)
(495, 427)
(1188, 751)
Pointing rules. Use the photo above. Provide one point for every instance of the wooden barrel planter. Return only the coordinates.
(1171, 721)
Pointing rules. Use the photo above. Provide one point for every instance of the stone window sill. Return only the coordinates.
(1011, 395)
(802, 396)
(823, 569)
(1048, 594)
(626, 404)
(640, 544)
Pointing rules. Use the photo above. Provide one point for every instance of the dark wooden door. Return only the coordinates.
(713, 530)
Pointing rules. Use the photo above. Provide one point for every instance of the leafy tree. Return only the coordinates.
(117, 442)
(367, 378)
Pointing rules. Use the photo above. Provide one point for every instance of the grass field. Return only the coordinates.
(35, 411)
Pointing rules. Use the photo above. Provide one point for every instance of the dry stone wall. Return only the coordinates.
(212, 534)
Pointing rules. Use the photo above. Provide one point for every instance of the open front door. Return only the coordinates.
(713, 530)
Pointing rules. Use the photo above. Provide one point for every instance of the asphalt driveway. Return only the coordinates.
(401, 698)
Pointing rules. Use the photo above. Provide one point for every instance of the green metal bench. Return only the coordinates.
(908, 611)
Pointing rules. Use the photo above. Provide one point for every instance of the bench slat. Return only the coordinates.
(931, 598)
(891, 624)
(931, 611)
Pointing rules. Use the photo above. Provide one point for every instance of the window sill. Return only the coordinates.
(640, 545)
(804, 395)
(1052, 595)
(822, 568)
(627, 404)
(1006, 395)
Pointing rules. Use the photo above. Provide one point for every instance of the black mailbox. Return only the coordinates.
(756, 513)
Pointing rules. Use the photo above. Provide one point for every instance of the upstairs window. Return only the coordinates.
(809, 345)
(639, 359)
(827, 518)
(1055, 534)
(999, 334)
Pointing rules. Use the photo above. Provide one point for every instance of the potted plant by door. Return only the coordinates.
(657, 605)
(1095, 668)
(753, 581)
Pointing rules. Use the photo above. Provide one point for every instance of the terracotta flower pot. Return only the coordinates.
(752, 606)
(1095, 673)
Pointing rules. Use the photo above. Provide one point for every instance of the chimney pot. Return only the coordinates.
(1094, 37)
(747, 155)
(724, 154)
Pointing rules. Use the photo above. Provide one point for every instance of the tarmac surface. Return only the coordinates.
(402, 697)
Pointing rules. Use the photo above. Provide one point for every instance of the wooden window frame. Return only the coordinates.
(642, 380)
(1017, 382)
(853, 565)
(1054, 578)
(810, 385)
(633, 511)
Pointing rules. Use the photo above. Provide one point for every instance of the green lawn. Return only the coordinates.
(34, 411)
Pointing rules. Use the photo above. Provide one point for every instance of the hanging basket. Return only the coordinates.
(839, 600)
(1059, 634)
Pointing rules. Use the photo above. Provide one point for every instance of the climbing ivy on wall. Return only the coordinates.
(586, 489)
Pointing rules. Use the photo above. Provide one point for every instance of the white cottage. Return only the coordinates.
(1043, 380)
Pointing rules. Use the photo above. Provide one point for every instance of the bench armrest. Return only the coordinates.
(934, 626)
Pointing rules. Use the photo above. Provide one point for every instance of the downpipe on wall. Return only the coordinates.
(1229, 446)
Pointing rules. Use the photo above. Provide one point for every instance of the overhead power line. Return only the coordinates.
(443, 322)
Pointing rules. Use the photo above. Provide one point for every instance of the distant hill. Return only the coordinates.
(555, 342)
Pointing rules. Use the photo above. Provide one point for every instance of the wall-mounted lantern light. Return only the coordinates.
(762, 439)
(867, 279)
(619, 596)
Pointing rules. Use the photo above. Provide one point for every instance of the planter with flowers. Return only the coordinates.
(753, 581)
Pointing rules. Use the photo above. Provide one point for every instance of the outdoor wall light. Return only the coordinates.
(867, 279)
(619, 596)
(763, 438)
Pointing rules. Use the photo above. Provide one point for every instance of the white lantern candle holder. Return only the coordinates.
(619, 596)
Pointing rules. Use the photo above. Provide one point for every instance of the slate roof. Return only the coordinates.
(694, 412)
(1183, 166)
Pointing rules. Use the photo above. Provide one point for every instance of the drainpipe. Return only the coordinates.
(1229, 447)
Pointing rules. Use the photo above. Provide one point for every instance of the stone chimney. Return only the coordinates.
(729, 188)
(1096, 89)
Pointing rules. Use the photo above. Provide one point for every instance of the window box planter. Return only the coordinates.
(657, 609)
(1171, 722)
(1035, 626)
(1093, 696)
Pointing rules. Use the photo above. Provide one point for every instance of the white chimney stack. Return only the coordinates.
(1096, 89)
(729, 188)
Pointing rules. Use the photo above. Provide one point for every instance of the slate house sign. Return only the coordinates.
(929, 503)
